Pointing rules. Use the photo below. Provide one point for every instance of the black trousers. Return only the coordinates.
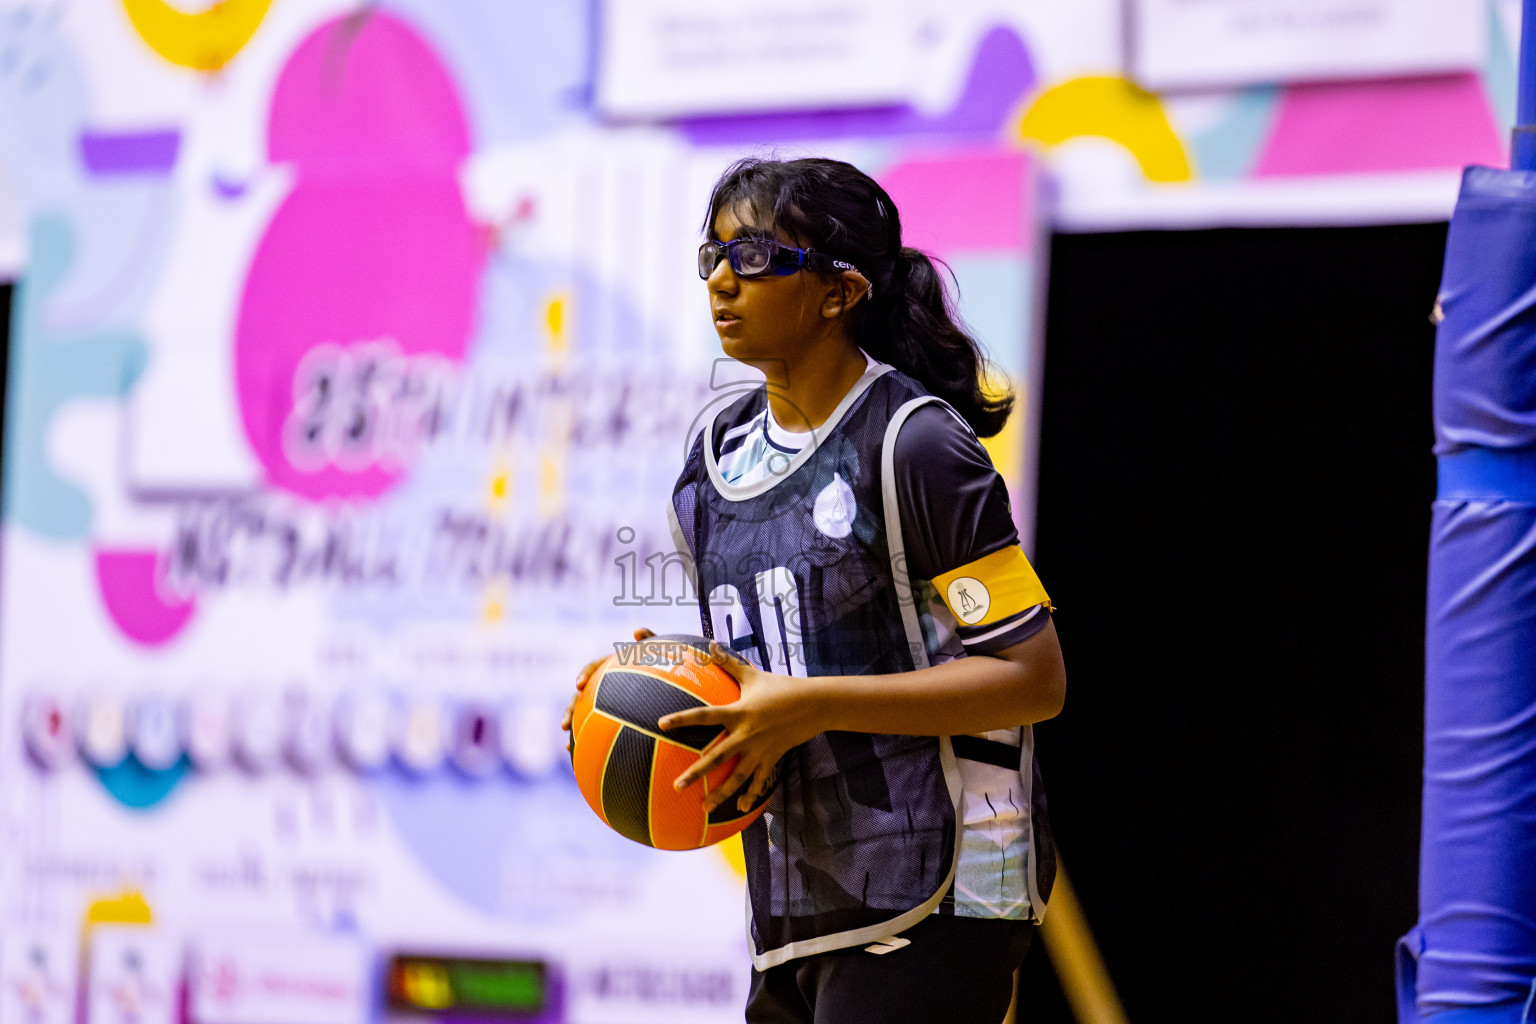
(957, 970)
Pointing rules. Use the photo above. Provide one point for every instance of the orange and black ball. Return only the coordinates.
(625, 765)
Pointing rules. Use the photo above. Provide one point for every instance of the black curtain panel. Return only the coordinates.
(1234, 505)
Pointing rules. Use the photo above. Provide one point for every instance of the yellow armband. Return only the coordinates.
(991, 588)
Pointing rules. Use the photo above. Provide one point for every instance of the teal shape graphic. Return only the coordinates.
(1230, 148)
(48, 370)
(995, 293)
(1500, 75)
(138, 787)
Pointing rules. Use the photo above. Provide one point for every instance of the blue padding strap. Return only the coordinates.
(1482, 474)
(1500, 1013)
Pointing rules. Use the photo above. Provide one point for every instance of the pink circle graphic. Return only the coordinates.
(361, 297)
(131, 587)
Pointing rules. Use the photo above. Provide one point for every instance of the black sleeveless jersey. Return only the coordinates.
(804, 574)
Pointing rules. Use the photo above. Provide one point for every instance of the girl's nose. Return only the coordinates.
(723, 279)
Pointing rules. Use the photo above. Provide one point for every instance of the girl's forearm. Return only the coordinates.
(1021, 685)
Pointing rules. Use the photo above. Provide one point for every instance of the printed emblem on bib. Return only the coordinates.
(835, 509)
(969, 599)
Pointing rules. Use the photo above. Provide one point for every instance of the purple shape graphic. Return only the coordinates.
(106, 153)
(1000, 76)
(226, 189)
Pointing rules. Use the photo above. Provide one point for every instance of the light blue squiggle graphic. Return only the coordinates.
(43, 103)
(995, 297)
(1500, 76)
(532, 852)
(46, 371)
(120, 220)
(1229, 149)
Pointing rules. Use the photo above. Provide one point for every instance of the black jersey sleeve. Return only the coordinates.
(957, 528)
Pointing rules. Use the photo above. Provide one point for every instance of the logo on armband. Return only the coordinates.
(969, 599)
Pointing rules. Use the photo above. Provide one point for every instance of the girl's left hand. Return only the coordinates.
(773, 714)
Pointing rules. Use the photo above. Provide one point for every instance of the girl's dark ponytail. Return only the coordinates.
(908, 322)
(914, 329)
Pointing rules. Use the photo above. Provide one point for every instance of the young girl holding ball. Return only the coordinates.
(859, 572)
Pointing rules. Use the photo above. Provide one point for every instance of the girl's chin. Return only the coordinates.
(739, 348)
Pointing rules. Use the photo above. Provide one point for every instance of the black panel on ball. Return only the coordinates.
(728, 811)
(627, 785)
(641, 700)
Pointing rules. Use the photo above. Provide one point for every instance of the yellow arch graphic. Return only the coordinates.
(1115, 109)
(127, 907)
(204, 41)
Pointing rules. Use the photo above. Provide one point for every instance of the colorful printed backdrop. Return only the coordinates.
(352, 365)
(350, 373)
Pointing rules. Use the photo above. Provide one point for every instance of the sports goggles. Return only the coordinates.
(757, 257)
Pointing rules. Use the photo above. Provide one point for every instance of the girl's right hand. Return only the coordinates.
(581, 684)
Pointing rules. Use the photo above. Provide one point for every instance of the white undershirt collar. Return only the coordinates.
(793, 440)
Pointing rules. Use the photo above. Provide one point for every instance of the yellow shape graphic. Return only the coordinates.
(1007, 446)
(127, 907)
(204, 41)
(494, 611)
(549, 478)
(554, 323)
(495, 602)
(1115, 109)
(551, 484)
(501, 485)
(734, 855)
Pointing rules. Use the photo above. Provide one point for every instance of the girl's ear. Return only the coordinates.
(845, 291)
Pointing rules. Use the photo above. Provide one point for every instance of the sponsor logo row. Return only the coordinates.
(138, 975)
(141, 974)
(262, 730)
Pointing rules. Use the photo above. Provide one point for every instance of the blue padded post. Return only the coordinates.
(1472, 957)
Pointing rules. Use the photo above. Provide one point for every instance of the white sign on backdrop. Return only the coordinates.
(676, 58)
(134, 972)
(1207, 43)
(302, 979)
